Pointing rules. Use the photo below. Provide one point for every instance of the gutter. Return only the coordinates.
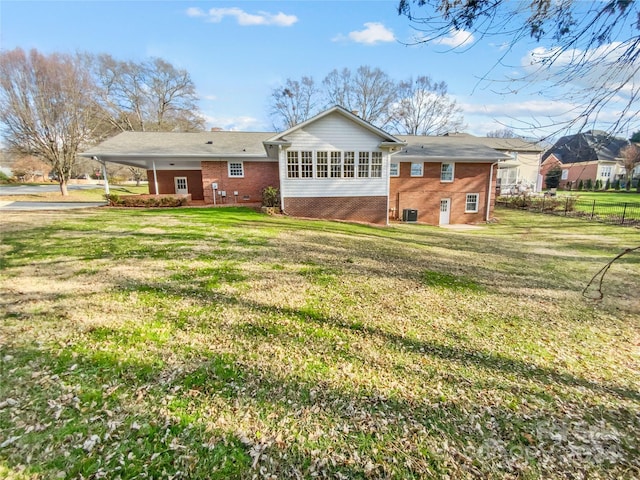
(489, 190)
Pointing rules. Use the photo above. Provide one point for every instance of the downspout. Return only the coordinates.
(489, 191)
(155, 177)
(281, 177)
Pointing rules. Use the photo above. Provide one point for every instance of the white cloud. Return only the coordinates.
(455, 39)
(373, 33)
(195, 12)
(216, 15)
(232, 124)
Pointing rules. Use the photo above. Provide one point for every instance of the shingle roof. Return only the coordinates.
(446, 148)
(587, 146)
(209, 144)
(503, 144)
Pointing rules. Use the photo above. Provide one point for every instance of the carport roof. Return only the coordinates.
(174, 144)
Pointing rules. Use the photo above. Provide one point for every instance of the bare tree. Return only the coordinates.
(46, 107)
(630, 159)
(295, 102)
(425, 108)
(502, 133)
(370, 92)
(595, 53)
(146, 96)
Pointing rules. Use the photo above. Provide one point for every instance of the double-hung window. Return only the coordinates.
(376, 164)
(416, 169)
(349, 164)
(446, 172)
(363, 164)
(336, 164)
(471, 205)
(322, 165)
(394, 170)
(293, 166)
(236, 169)
(306, 164)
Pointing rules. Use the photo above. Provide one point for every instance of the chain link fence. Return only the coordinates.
(617, 213)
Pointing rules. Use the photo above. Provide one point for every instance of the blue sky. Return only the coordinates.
(238, 52)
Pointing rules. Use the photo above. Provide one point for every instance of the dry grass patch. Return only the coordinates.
(210, 343)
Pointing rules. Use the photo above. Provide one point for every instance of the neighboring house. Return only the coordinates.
(333, 166)
(592, 155)
(520, 173)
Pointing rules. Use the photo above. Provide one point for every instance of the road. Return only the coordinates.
(26, 206)
(34, 189)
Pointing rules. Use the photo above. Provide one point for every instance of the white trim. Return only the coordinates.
(453, 172)
(229, 163)
(466, 203)
(421, 169)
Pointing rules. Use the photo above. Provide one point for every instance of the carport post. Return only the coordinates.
(104, 174)
(106, 181)
(155, 177)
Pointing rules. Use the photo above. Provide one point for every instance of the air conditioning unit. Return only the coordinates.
(409, 215)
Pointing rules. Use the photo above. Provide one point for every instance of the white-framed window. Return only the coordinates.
(363, 164)
(471, 204)
(236, 169)
(306, 164)
(416, 169)
(349, 169)
(293, 167)
(322, 164)
(564, 175)
(376, 164)
(446, 172)
(336, 164)
(605, 171)
(394, 169)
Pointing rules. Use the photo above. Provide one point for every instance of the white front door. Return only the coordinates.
(445, 204)
(181, 185)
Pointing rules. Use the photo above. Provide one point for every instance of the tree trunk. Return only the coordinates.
(63, 187)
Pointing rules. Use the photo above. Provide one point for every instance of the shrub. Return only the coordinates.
(607, 185)
(113, 199)
(589, 184)
(270, 197)
(4, 178)
(616, 185)
(552, 178)
(580, 185)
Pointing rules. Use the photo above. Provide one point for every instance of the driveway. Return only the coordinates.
(25, 206)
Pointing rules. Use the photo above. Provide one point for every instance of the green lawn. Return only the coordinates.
(613, 197)
(221, 343)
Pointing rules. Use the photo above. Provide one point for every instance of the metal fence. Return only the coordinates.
(618, 213)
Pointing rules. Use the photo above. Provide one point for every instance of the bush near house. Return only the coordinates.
(116, 200)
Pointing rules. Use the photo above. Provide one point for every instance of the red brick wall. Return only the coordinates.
(576, 171)
(354, 209)
(166, 182)
(257, 176)
(424, 193)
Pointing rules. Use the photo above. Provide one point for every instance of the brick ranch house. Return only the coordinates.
(333, 166)
(592, 155)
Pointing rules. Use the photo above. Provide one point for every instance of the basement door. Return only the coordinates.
(181, 185)
(445, 208)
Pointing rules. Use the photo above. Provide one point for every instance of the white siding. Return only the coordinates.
(334, 132)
